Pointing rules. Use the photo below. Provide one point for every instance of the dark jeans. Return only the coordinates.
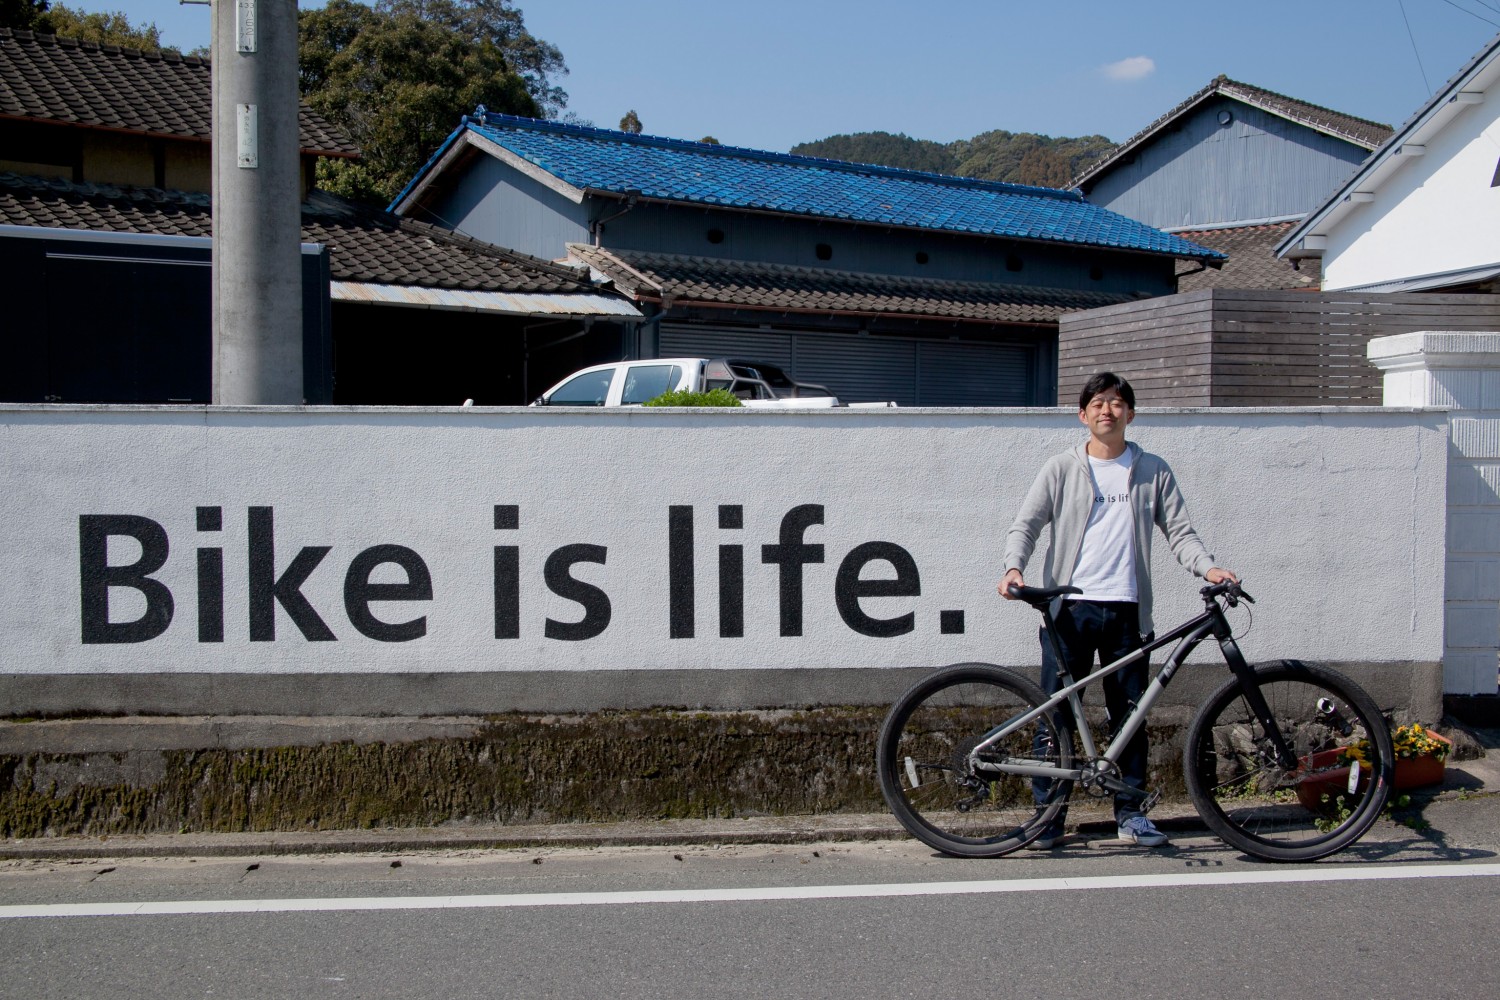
(1107, 630)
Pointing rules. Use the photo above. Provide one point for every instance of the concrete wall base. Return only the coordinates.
(137, 774)
(1414, 687)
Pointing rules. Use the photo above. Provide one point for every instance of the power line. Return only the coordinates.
(1466, 10)
(1425, 84)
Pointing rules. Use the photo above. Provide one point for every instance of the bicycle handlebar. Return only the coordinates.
(1231, 591)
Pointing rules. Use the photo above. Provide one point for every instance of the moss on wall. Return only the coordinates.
(608, 766)
(515, 769)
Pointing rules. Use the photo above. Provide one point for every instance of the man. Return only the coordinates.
(1101, 500)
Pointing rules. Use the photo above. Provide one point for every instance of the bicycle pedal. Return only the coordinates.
(1150, 801)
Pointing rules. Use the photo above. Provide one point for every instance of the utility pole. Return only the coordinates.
(257, 267)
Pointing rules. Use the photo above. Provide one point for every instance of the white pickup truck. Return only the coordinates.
(631, 383)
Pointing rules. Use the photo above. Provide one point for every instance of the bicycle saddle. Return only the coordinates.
(1037, 596)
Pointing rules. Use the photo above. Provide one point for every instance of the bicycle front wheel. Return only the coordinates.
(1324, 803)
(951, 798)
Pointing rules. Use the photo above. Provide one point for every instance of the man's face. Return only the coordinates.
(1107, 415)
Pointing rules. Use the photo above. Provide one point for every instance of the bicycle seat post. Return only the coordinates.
(1044, 599)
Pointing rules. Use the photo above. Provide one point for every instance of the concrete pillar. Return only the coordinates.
(257, 278)
(1460, 370)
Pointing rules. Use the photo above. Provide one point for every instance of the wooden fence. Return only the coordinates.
(1228, 347)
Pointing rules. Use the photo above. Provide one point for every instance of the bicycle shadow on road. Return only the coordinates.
(1389, 843)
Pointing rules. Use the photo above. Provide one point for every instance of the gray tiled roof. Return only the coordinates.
(1252, 260)
(729, 283)
(365, 245)
(1359, 131)
(45, 78)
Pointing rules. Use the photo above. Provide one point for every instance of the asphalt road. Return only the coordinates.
(1404, 913)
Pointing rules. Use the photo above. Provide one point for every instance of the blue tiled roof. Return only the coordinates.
(706, 174)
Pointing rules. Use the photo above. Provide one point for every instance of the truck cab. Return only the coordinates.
(631, 383)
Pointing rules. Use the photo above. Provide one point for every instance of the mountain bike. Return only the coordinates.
(1285, 761)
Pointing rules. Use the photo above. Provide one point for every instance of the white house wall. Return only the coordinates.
(1440, 212)
(577, 518)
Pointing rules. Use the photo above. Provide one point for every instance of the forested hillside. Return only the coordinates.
(1019, 158)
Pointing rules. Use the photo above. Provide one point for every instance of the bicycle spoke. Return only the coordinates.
(1322, 805)
(927, 762)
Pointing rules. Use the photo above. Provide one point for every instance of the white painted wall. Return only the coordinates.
(1334, 517)
(1439, 212)
(1460, 371)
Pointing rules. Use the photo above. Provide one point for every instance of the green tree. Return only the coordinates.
(883, 149)
(1042, 166)
(501, 24)
(397, 80)
(631, 122)
(21, 14)
(101, 27)
(709, 140)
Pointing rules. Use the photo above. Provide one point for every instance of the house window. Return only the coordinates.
(1013, 262)
(716, 236)
(823, 251)
(922, 257)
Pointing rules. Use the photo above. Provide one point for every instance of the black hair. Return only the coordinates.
(1103, 382)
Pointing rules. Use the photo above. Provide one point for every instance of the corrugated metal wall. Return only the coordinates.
(909, 371)
(1257, 166)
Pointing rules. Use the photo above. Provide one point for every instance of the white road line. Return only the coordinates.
(1329, 873)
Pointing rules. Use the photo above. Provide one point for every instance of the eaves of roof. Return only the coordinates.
(1469, 86)
(1356, 131)
(366, 247)
(578, 161)
(679, 281)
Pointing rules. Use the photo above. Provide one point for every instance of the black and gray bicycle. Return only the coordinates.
(1285, 761)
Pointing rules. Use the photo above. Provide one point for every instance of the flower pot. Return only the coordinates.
(1414, 772)
(1411, 772)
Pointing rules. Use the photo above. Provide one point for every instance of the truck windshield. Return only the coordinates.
(588, 389)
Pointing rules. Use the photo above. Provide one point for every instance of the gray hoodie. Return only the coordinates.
(1062, 496)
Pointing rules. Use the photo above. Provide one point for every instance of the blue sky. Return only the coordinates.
(773, 73)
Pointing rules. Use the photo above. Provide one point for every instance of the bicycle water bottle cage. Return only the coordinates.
(1039, 596)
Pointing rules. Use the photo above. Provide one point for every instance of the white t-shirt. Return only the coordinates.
(1106, 566)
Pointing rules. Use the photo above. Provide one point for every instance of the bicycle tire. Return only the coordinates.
(1277, 814)
(928, 781)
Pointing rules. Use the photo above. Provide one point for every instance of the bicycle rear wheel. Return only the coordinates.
(947, 797)
(1302, 813)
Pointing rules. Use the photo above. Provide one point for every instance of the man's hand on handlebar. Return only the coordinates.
(1218, 575)
(1011, 579)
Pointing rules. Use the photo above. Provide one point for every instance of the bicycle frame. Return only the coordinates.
(1187, 636)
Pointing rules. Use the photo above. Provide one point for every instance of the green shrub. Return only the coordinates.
(688, 397)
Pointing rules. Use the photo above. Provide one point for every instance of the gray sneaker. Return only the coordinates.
(1140, 830)
(1051, 835)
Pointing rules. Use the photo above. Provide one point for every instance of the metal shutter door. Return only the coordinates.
(859, 369)
(969, 374)
(866, 369)
(771, 346)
